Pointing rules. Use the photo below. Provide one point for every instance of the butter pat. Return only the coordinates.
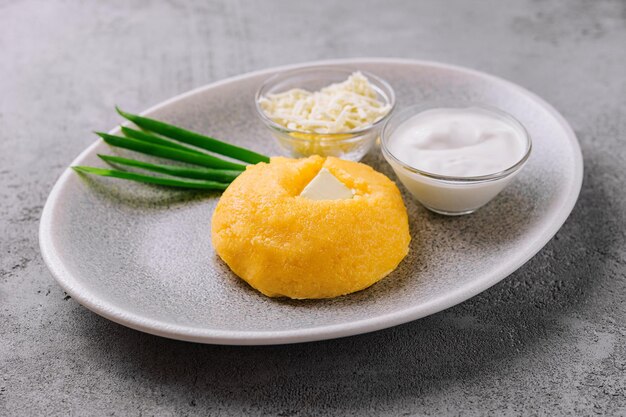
(325, 186)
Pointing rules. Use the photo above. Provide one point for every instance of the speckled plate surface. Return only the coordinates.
(141, 255)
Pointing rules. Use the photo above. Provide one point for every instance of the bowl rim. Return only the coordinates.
(420, 108)
(382, 87)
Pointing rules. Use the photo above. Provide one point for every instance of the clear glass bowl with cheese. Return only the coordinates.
(325, 111)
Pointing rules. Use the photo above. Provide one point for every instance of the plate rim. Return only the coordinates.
(109, 310)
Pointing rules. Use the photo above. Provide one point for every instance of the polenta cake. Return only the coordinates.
(311, 228)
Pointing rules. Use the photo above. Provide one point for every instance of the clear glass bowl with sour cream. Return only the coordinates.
(351, 144)
(455, 158)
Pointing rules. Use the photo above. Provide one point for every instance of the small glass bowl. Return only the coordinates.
(452, 196)
(351, 145)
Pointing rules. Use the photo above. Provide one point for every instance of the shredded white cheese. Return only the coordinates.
(337, 108)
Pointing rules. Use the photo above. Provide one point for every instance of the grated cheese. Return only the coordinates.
(337, 108)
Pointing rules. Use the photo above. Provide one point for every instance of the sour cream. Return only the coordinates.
(466, 142)
(455, 160)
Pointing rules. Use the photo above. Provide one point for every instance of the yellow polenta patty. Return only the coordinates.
(283, 244)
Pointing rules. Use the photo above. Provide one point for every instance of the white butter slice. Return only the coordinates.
(325, 186)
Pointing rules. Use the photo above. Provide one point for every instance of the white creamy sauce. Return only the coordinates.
(458, 142)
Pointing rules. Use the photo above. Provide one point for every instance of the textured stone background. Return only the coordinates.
(550, 339)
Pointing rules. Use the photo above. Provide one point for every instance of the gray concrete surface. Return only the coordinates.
(549, 340)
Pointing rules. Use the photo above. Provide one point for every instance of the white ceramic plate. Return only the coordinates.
(141, 255)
